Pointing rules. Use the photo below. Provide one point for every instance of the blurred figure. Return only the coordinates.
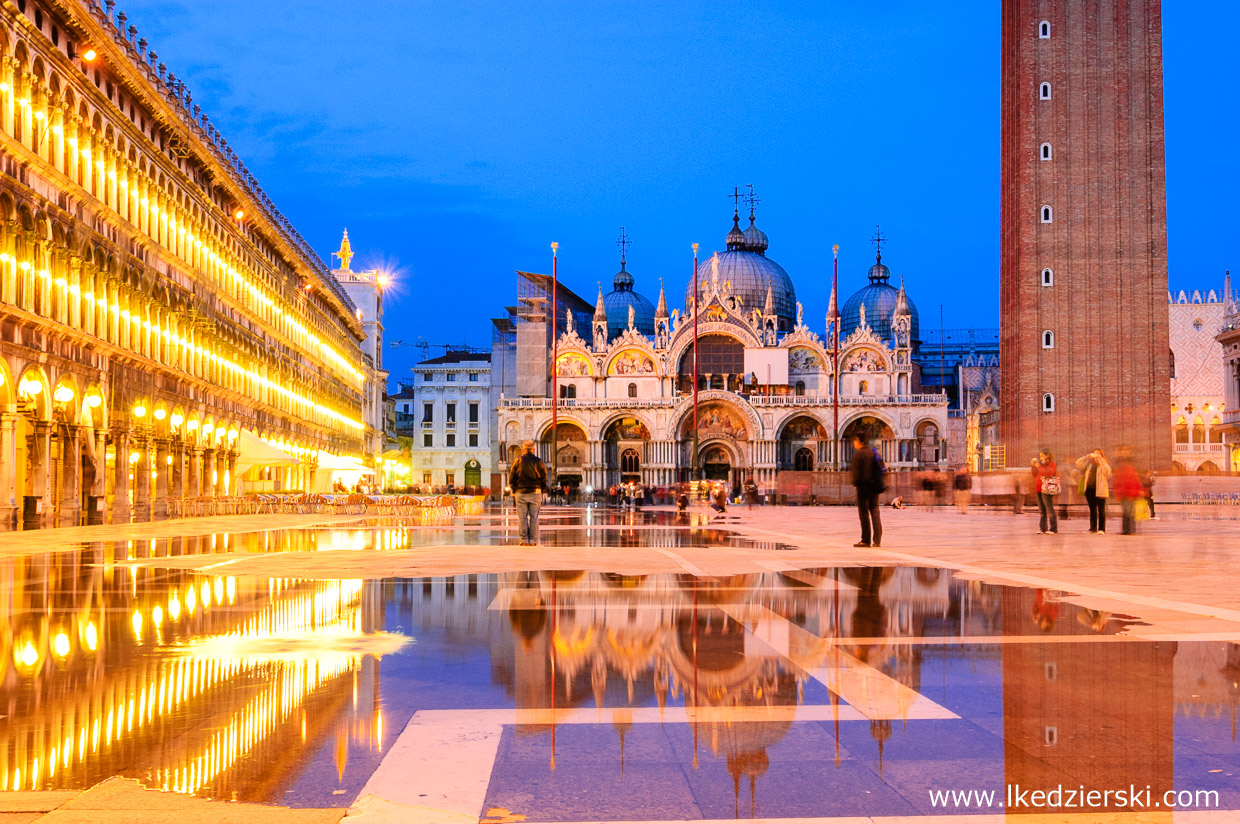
(867, 478)
(682, 501)
(1018, 494)
(1096, 487)
(1129, 490)
(962, 485)
(719, 499)
(1147, 481)
(1046, 487)
(927, 490)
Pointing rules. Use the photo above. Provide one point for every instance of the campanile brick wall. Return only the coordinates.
(1107, 244)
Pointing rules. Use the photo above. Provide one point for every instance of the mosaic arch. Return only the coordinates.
(631, 362)
(864, 360)
(626, 428)
(717, 420)
(804, 359)
(572, 365)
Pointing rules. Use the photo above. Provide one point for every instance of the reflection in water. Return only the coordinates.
(257, 689)
(172, 677)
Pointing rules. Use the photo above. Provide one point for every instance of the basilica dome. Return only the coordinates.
(879, 299)
(616, 304)
(750, 273)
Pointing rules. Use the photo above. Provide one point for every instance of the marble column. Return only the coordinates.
(10, 477)
(121, 509)
(193, 486)
(162, 468)
(100, 486)
(177, 475)
(40, 450)
(69, 504)
(142, 481)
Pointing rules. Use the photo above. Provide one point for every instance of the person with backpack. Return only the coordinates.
(528, 479)
(868, 478)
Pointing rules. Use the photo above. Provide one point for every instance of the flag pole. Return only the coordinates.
(697, 294)
(555, 353)
(835, 354)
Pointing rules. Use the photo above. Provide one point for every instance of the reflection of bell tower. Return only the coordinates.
(1098, 715)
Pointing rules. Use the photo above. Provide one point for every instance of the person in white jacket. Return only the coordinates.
(1096, 487)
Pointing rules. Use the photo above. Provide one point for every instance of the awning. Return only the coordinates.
(340, 463)
(253, 451)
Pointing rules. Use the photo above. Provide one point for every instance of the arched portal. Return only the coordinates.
(570, 454)
(624, 448)
(717, 463)
(876, 430)
(803, 442)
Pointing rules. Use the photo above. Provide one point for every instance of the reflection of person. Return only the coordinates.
(1045, 609)
(528, 479)
(868, 481)
(1043, 469)
(1096, 487)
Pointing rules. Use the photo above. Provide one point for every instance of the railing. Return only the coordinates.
(1186, 448)
(756, 400)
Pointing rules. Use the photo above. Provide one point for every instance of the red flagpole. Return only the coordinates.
(835, 351)
(555, 353)
(697, 294)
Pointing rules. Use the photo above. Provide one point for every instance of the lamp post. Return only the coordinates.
(835, 355)
(555, 352)
(696, 296)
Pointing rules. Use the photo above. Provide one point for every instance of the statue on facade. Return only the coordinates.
(800, 314)
(632, 317)
(861, 310)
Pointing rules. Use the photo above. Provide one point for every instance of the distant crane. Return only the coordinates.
(425, 346)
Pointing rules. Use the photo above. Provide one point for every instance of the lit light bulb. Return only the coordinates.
(139, 411)
(160, 414)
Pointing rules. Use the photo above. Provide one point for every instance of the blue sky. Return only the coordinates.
(457, 140)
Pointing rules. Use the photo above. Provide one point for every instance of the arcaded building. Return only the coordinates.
(159, 318)
(766, 385)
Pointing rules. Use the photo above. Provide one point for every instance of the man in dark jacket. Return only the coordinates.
(528, 479)
(867, 478)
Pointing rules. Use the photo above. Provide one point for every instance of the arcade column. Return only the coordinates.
(9, 476)
(121, 509)
(162, 469)
(69, 495)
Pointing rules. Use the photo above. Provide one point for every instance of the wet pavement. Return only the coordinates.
(576, 694)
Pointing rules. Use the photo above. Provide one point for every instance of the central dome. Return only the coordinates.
(750, 273)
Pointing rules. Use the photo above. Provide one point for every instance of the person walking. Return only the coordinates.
(719, 499)
(1096, 487)
(1147, 481)
(528, 479)
(867, 478)
(1128, 488)
(962, 486)
(1046, 485)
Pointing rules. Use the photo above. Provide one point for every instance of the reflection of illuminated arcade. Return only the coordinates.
(189, 682)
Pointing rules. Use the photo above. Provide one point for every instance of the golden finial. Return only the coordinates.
(345, 254)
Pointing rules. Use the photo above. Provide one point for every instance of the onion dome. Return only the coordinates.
(755, 239)
(881, 300)
(736, 238)
(616, 304)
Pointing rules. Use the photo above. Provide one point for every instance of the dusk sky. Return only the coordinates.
(457, 140)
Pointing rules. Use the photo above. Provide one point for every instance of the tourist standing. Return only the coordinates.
(1046, 486)
(1147, 481)
(962, 485)
(1128, 488)
(867, 478)
(528, 479)
(1096, 487)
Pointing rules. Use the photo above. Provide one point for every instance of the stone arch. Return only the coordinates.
(73, 405)
(601, 432)
(797, 433)
(681, 421)
(8, 389)
(43, 400)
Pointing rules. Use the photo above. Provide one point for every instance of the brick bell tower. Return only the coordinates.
(1084, 343)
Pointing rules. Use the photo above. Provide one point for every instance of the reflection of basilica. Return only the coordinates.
(766, 379)
(188, 682)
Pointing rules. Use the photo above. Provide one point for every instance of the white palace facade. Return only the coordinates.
(766, 380)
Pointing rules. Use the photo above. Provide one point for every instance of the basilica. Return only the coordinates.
(774, 394)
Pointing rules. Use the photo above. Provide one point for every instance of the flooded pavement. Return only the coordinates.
(568, 695)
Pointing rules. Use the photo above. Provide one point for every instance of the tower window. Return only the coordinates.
(1044, 30)
(1048, 339)
(1045, 152)
(1047, 215)
(1044, 91)
(1048, 277)
(1048, 402)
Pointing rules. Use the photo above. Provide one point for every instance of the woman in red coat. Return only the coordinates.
(1046, 485)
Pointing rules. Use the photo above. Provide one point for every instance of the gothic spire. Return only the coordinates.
(600, 311)
(833, 309)
(661, 310)
(901, 302)
(768, 308)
